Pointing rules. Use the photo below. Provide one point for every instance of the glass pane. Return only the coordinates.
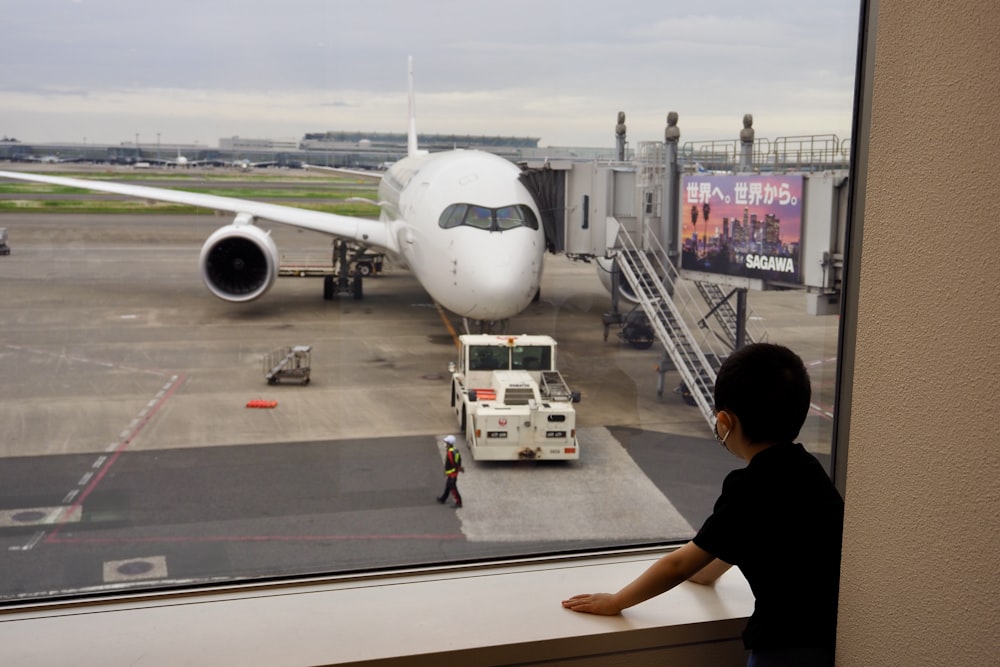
(453, 216)
(531, 358)
(509, 217)
(479, 217)
(157, 436)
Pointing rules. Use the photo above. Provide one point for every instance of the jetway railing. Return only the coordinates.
(814, 152)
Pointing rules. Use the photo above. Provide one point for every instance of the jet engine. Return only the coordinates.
(239, 262)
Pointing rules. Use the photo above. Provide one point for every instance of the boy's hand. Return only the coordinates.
(593, 603)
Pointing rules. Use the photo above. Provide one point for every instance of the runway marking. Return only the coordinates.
(35, 539)
(135, 569)
(91, 479)
(821, 410)
(85, 360)
(38, 516)
(102, 464)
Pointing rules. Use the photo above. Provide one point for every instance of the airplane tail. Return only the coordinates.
(411, 138)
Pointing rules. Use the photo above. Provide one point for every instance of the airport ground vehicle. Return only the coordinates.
(510, 400)
(288, 363)
(315, 264)
(4, 248)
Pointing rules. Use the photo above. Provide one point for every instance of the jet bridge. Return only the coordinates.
(670, 240)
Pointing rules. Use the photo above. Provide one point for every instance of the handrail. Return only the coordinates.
(697, 373)
(813, 152)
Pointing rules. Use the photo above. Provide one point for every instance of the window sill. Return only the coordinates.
(484, 615)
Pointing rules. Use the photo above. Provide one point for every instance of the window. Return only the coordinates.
(520, 357)
(133, 459)
(509, 217)
(454, 216)
(531, 357)
(494, 220)
(488, 358)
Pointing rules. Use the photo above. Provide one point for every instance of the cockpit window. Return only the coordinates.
(490, 219)
(453, 216)
(479, 217)
(510, 217)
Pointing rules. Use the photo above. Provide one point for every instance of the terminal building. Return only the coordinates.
(349, 149)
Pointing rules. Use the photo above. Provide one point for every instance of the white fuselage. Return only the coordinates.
(478, 273)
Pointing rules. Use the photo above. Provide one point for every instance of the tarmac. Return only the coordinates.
(113, 352)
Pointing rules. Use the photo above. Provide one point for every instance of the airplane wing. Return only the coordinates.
(374, 175)
(368, 232)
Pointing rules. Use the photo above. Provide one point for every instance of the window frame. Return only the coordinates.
(162, 627)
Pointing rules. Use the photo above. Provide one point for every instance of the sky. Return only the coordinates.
(194, 71)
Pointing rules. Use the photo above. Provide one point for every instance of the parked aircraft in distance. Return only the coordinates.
(460, 220)
(45, 159)
(179, 161)
(247, 165)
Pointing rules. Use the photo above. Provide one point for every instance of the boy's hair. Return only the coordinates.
(767, 387)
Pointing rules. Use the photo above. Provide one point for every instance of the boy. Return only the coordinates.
(779, 519)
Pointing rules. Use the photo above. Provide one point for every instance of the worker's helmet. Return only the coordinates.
(449, 440)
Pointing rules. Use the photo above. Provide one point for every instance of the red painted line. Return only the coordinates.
(122, 446)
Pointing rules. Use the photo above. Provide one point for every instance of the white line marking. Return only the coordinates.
(36, 538)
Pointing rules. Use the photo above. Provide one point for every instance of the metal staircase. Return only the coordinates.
(724, 313)
(654, 280)
(675, 310)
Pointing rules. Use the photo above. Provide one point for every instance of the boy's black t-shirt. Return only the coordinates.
(780, 520)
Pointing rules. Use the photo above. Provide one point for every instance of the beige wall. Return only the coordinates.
(921, 569)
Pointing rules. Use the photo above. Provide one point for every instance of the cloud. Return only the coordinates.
(551, 69)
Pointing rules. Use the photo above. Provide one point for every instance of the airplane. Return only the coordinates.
(45, 159)
(460, 220)
(181, 161)
(247, 165)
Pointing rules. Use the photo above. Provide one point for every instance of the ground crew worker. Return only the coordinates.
(452, 466)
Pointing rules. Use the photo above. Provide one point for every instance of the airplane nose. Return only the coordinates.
(500, 281)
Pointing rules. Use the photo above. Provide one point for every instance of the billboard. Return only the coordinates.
(742, 225)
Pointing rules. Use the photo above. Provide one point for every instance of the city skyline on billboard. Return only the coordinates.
(742, 225)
